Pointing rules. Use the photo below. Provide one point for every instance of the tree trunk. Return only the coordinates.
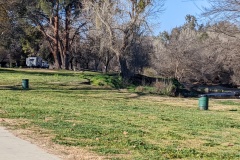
(107, 61)
(66, 38)
(107, 66)
(56, 39)
(125, 71)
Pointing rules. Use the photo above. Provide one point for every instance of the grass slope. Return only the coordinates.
(120, 124)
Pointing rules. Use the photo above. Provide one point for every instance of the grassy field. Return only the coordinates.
(116, 123)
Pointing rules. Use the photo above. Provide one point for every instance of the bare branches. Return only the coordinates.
(223, 10)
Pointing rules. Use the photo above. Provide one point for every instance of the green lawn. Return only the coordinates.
(119, 124)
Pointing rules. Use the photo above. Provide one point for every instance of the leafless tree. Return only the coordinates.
(122, 22)
(226, 16)
(195, 54)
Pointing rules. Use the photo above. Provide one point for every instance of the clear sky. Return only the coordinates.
(176, 10)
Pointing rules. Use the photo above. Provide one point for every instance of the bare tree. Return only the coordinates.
(124, 22)
(194, 54)
(226, 13)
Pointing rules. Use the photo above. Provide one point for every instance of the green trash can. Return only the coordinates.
(203, 102)
(25, 83)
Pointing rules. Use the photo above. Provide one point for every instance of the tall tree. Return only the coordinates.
(11, 30)
(55, 19)
(70, 12)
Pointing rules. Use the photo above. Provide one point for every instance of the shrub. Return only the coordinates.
(140, 89)
(168, 89)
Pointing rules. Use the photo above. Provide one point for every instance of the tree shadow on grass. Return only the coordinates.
(49, 72)
(7, 87)
(37, 72)
(56, 88)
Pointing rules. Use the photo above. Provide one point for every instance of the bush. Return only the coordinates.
(161, 88)
(140, 89)
(168, 89)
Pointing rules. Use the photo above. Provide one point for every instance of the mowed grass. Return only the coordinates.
(119, 124)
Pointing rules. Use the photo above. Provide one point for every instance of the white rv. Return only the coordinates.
(36, 62)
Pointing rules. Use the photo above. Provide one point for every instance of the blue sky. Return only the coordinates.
(176, 10)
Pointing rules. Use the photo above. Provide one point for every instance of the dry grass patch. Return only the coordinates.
(172, 101)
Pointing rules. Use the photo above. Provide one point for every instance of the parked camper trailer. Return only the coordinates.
(36, 62)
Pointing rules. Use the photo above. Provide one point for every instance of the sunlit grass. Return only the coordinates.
(120, 124)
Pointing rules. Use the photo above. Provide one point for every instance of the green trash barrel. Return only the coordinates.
(25, 83)
(203, 102)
